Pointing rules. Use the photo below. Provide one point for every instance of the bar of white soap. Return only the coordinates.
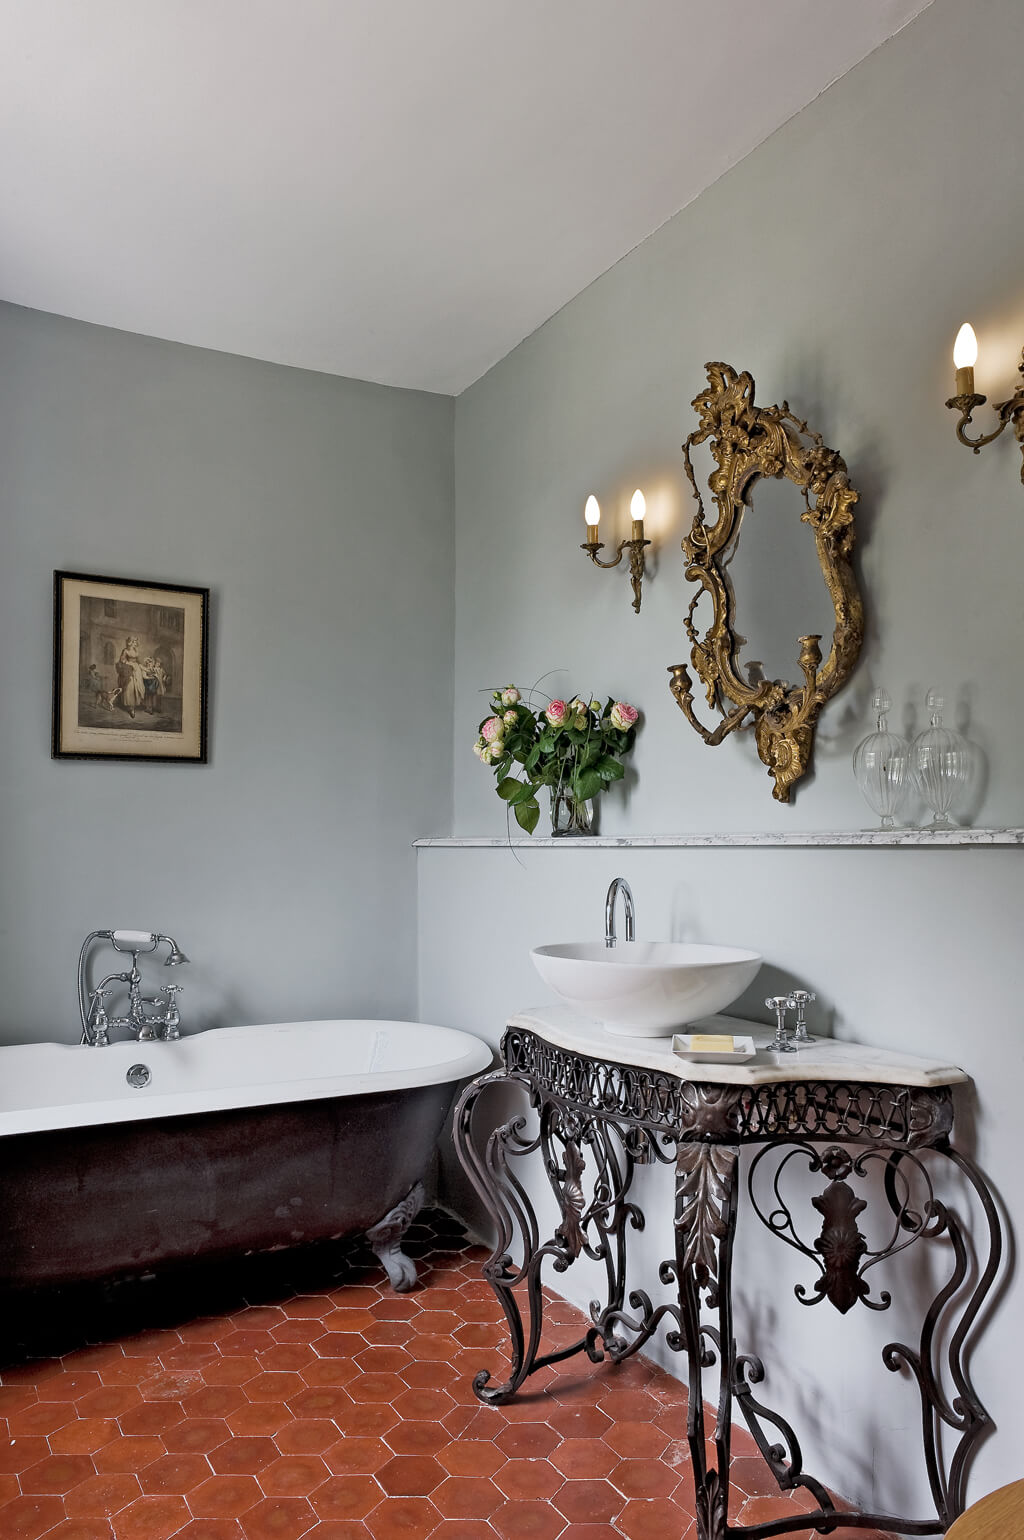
(712, 1042)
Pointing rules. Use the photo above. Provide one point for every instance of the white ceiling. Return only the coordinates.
(399, 190)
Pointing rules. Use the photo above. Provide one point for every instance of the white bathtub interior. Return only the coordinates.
(62, 1085)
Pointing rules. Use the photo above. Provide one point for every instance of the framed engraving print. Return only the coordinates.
(129, 669)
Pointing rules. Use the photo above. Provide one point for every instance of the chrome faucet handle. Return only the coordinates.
(172, 1019)
(780, 1004)
(98, 1019)
(801, 999)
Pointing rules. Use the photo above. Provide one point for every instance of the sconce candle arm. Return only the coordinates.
(637, 561)
(681, 687)
(1010, 412)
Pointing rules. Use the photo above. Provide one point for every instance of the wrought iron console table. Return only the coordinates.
(605, 1105)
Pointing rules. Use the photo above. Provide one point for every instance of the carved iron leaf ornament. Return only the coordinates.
(749, 443)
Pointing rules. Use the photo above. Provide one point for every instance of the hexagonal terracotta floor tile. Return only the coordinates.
(471, 1457)
(404, 1518)
(26, 1518)
(345, 1497)
(152, 1518)
(306, 1435)
(234, 1369)
(242, 1456)
(466, 1497)
(528, 1441)
(375, 1387)
(68, 1386)
(293, 1475)
(224, 1496)
(528, 1480)
(279, 1518)
(339, 1344)
(579, 1421)
(528, 1521)
(636, 1440)
(287, 1356)
(101, 1496)
(579, 1457)
(197, 1436)
(127, 1454)
(355, 1456)
(258, 1419)
(56, 1474)
(175, 1473)
(415, 1437)
(648, 1519)
(410, 1476)
(588, 1502)
(644, 1478)
(422, 1405)
(83, 1436)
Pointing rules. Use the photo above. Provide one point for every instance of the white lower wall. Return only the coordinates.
(908, 948)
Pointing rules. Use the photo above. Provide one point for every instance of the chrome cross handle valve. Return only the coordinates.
(172, 1020)
(98, 1018)
(780, 1004)
(800, 999)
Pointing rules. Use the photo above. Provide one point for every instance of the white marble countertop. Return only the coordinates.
(825, 1059)
(824, 839)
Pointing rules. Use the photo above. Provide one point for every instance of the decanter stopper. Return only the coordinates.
(881, 763)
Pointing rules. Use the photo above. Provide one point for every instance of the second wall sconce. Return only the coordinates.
(965, 354)
(634, 545)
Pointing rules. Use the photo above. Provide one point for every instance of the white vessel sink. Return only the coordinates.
(646, 988)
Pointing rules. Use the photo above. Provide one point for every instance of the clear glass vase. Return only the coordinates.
(881, 764)
(569, 817)
(941, 761)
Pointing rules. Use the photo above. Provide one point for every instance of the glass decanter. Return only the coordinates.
(881, 763)
(941, 764)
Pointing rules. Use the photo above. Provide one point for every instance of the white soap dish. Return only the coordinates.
(743, 1050)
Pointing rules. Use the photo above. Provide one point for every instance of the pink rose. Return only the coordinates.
(510, 696)
(623, 716)
(492, 730)
(557, 713)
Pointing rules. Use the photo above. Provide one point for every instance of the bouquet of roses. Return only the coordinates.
(575, 747)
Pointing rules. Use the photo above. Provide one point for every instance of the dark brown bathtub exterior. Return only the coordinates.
(115, 1199)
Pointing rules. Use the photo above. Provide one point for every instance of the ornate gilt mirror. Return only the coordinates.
(771, 475)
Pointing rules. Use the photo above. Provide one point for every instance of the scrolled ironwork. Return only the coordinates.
(597, 1120)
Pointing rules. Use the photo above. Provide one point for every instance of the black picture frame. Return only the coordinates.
(130, 670)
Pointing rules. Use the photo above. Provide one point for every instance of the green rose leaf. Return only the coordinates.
(527, 814)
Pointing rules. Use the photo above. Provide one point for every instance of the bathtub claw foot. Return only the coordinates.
(385, 1241)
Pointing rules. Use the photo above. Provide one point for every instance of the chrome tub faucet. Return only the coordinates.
(619, 885)
(164, 1021)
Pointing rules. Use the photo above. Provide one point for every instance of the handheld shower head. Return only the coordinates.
(175, 956)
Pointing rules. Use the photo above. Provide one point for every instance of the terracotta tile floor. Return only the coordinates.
(316, 1402)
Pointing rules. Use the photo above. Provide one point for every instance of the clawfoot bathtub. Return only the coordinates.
(121, 1159)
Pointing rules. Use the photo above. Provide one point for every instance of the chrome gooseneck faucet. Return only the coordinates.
(619, 885)
(163, 1022)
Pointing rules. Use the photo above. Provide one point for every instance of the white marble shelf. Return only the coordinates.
(833, 840)
(826, 1058)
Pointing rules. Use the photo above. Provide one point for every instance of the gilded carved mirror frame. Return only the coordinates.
(749, 442)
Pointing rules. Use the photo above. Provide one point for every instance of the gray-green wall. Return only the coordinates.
(318, 512)
(835, 263)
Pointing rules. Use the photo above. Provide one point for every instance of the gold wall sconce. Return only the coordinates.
(965, 355)
(634, 545)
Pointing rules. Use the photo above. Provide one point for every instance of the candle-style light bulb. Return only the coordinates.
(637, 509)
(592, 514)
(965, 348)
(965, 356)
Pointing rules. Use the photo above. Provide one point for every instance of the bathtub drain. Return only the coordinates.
(138, 1076)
